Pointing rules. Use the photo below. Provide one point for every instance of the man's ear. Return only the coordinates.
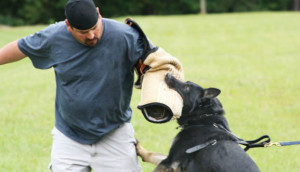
(99, 15)
(68, 25)
(211, 92)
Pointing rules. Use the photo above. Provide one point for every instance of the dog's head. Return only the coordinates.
(195, 98)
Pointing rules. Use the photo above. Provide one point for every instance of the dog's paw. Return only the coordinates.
(140, 150)
(147, 156)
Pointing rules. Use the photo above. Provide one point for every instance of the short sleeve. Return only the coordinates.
(38, 48)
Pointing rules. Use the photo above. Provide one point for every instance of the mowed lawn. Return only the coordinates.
(254, 58)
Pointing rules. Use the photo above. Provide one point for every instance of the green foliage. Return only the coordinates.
(19, 12)
(252, 57)
(248, 5)
(31, 11)
(147, 7)
(11, 21)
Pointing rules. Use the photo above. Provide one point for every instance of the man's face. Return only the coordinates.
(89, 37)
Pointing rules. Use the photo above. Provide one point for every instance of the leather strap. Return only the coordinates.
(201, 146)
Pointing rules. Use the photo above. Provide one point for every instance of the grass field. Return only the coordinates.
(254, 58)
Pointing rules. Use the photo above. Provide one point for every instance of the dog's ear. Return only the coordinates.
(211, 92)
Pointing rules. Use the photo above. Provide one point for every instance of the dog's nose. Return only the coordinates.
(169, 79)
(168, 76)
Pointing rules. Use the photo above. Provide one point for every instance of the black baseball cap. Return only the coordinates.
(81, 14)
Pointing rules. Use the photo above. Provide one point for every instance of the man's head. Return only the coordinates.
(84, 21)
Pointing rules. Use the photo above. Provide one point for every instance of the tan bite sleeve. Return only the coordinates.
(154, 88)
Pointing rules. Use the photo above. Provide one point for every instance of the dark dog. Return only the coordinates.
(205, 143)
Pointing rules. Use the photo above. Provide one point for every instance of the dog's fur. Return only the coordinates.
(200, 111)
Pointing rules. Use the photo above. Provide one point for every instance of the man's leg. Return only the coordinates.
(116, 152)
(68, 155)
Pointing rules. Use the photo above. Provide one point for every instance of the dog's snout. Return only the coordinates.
(169, 80)
(168, 76)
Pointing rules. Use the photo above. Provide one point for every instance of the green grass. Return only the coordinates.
(254, 58)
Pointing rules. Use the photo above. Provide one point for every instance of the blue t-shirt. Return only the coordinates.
(93, 84)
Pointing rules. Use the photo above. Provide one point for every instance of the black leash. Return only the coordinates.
(260, 142)
(263, 141)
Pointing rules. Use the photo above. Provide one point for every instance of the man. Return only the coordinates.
(93, 59)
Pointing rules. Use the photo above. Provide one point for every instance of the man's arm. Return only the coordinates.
(11, 53)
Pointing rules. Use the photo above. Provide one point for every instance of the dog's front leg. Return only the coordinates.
(147, 156)
(174, 167)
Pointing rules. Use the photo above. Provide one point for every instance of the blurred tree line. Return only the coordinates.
(27, 12)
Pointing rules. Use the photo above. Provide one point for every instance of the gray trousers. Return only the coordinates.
(114, 153)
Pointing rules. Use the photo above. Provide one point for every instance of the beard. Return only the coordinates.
(91, 42)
